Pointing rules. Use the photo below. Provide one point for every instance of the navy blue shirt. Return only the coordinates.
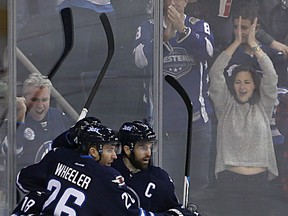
(153, 186)
(34, 138)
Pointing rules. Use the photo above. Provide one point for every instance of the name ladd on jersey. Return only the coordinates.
(73, 176)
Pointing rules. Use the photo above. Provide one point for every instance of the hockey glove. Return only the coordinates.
(193, 208)
(178, 211)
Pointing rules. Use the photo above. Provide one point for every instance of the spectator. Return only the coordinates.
(152, 184)
(244, 55)
(188, 47)
(245, 155)
(38, 123)
(219, 14)
(261, 34)
(248, 12)
(80, 181)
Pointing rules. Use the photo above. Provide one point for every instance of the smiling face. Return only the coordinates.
(244, 86)
(37, 101)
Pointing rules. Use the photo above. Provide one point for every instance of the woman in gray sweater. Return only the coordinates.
(245, 155)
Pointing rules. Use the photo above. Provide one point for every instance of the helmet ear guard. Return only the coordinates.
(130, 145)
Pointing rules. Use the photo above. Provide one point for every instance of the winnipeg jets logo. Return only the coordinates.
(127, 128)
(93, 129)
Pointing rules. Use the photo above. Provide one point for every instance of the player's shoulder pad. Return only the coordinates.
(63, 151)
(158, 171)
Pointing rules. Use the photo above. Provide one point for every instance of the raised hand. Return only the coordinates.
(251, 37)
(176, 19)
(21, 109)
(238, 33)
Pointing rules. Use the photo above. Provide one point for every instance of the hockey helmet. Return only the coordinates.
(95, 135)
(132, 132)
(69, 138)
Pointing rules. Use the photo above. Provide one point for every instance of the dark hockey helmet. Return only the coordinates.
(95, 135)
(132, 132)
(69, 138)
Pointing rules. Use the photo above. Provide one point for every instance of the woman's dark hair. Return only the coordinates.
(256, 79)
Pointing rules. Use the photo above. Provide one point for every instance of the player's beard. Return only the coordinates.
(136, 163)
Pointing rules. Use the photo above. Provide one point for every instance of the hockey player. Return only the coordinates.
(80, 181)
(152, 184)
(74, 183)
(188, 48)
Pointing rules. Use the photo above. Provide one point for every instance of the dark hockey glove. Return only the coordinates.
(178, 211)
(69, 138)
(193, 208)
(174, 212)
